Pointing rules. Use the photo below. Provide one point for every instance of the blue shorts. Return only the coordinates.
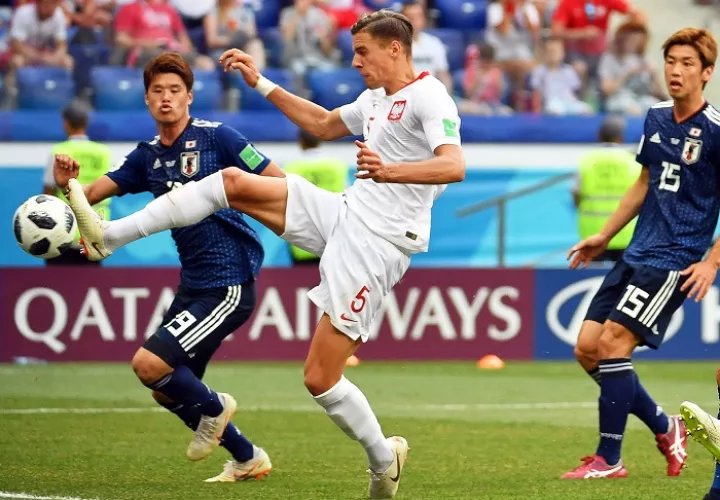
(641, 298)
(198, 321)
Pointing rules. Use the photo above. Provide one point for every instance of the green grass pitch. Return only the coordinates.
(508, 434)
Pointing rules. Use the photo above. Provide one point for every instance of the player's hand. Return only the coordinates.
(65, 168)
(584, 252)
(236, 59)
(701, 277)
(370, 165)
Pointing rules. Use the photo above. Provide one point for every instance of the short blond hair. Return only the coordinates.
(700, 39)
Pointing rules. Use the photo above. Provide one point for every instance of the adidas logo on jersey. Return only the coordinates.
(157, 164)
(656, 138)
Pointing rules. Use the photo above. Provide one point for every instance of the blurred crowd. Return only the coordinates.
(537, 56)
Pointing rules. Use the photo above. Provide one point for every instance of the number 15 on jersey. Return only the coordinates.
(670, 177)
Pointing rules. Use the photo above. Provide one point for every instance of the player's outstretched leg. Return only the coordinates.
(181, 207)
(669, 431)
(183, 387)
(249, 461)
(348, 407)
(262, 198)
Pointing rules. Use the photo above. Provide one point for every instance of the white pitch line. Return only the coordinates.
(459, 407)
(27, 496)
(308, 408)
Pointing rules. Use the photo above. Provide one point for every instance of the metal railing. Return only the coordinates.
(501, 201)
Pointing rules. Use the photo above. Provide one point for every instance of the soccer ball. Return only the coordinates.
(44, 226)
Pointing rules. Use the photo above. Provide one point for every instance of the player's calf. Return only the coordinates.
(617, 389)
(344, 402)
(177, 384)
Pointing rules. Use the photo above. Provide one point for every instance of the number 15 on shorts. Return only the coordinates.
(635, 301)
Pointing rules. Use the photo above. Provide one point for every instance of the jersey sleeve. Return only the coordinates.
(440, 120)
(642, 156)
(352, 114)
(130, 174)
(234, 150)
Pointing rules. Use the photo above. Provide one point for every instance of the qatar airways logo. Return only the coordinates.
(132, 314)
(567, 330)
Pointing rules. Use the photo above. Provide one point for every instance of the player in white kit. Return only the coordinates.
(365, 236)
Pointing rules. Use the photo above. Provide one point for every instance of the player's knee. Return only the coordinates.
(584, 354)
(717, 375)
(148, 367)
(233, 179)
(616, 341)
(317, 380)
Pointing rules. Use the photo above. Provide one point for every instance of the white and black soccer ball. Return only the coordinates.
(44, 226)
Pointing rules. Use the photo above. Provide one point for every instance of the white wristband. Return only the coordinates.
(265, 86)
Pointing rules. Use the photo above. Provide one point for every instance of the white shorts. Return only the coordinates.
(358, 269)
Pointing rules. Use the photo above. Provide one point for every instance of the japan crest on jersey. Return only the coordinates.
(691, 150)
(190, 163)
(396, 111)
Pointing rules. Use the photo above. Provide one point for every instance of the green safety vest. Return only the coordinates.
(94, 159)
(326, 173)
(605, 176)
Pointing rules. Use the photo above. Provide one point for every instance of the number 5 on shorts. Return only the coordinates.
(358, 303)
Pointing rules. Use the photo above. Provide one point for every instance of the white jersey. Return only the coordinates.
(404, 127)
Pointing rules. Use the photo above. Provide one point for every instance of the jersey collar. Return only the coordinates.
(418, 78)
(702, 108)
(165, 148)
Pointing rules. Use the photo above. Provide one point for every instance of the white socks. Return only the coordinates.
(348, 407)
(180, 207)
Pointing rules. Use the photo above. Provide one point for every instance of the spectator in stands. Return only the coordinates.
(484, 83)
(145, 28)
(309, 38)
(627, 80)
(38, 37)
(232, 25)
(94, 159)
(325, 171)
(605, 174)
(428, 51)
(193, 12)
(583, 24)
(556, 84)
(344, 13)
(545, 9)
(87, 16)
(513, 29)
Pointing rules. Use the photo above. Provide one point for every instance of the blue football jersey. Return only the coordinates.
(680, 212)
(221, 250)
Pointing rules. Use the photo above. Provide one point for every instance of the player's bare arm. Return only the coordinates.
(65, 168)
(448, 166)
(314, 119)
(584, 252)
(701, 275)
